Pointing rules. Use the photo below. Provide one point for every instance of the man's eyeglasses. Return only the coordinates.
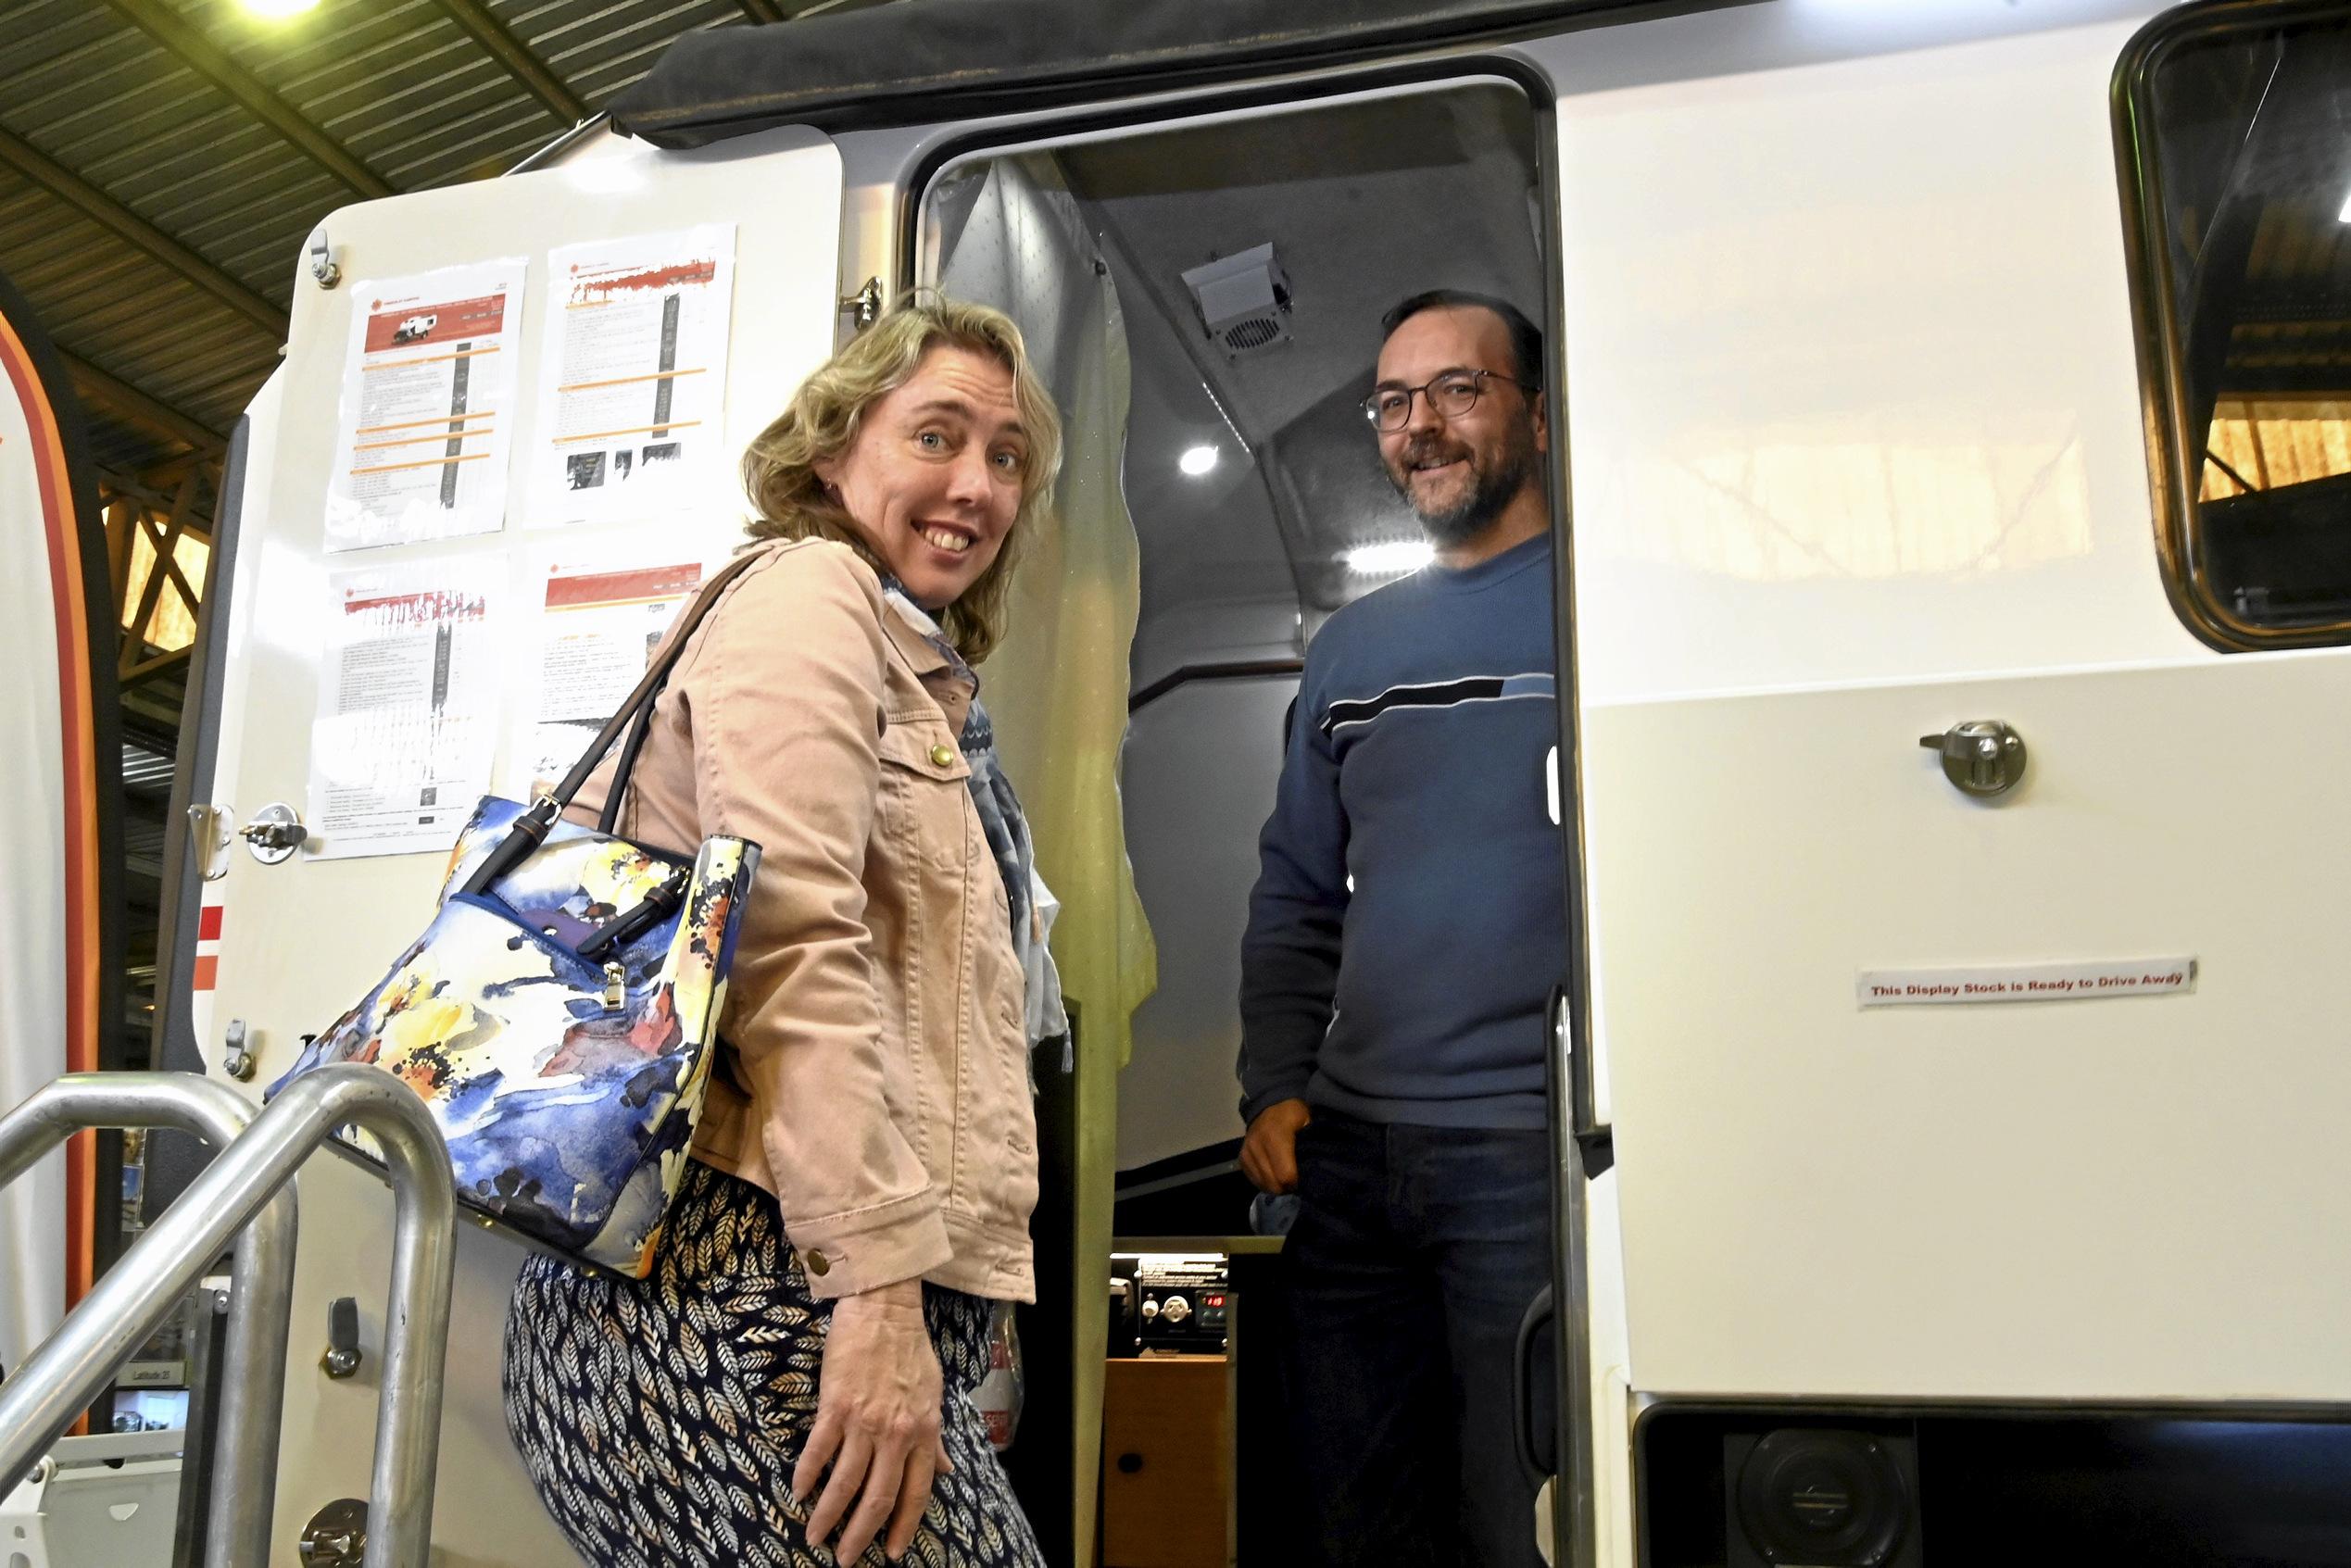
(1451, 396)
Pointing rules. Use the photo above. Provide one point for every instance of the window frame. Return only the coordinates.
(2164, 396)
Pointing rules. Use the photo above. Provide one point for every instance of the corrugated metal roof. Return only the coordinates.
(161, 162)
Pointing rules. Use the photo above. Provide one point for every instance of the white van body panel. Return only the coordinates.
(1856, 455)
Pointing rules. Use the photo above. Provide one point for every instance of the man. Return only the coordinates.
(1407, 925)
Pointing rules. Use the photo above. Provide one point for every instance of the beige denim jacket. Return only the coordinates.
(875, 1077)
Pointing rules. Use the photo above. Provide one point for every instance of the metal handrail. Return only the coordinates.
(260, 1293)
(138, 1293)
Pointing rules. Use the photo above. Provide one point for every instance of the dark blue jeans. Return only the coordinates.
(1416, 1253)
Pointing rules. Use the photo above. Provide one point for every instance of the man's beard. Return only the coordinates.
(1491, 489)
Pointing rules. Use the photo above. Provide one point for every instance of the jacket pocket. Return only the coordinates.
(925, 790)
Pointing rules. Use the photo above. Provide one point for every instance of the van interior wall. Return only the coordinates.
(1244, 555)
(1248, 476)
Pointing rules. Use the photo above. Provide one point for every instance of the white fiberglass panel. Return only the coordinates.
(2124, 1197)
(1857, 456)
(1851, 381)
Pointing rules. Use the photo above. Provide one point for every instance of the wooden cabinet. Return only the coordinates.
(1167, 1463)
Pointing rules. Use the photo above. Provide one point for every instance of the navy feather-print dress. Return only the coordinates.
(660, 1418)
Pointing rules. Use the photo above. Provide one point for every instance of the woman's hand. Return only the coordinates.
(877, 1423)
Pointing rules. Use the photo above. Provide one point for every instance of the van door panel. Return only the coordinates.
(301, 942)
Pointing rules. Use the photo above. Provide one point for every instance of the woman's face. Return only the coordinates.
(933, 480)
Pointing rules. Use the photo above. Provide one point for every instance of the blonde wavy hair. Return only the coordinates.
(822, 419)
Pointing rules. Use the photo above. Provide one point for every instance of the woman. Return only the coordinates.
(863, 1172)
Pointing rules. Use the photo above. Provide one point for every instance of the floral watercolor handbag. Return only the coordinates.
(559, 1015)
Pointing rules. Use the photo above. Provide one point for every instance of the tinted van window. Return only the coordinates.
(2235, 131)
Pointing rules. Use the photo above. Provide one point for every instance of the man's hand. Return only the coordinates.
(1269, 1154)
(877, 1423)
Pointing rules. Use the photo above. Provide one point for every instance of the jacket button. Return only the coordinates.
(941, 755)
(818, 1265)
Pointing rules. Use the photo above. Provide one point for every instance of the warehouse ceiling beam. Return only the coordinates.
(163, 541)
(122, 521)
(147, 669)
(95, 385)
(162, 476)
(182, 38)
(67, 186)
(761, 10)
(526, 67)
(156, 488)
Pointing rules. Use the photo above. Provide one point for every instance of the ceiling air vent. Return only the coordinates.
(1243, 301)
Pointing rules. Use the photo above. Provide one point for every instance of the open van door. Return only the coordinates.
(288, 939)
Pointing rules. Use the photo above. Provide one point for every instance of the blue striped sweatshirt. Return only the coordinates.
(1408, 920)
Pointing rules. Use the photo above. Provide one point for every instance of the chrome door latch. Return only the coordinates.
(1983, 757)
(342, 1354)
(864, 307)
(238, 1058)
(323, 269)
(336, 1535)
(276, 833)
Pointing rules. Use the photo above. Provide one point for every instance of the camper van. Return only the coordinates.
(1951, 415)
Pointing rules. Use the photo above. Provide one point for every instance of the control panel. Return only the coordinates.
(1171, 1301)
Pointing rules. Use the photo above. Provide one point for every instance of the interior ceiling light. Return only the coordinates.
(278, 10)
(1392, 557)
(1197, 460)
(2345, 216)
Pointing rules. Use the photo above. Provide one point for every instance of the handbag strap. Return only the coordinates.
(530, 829)
(608, 820)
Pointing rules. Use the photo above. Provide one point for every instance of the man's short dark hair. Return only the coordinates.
(1526, 338)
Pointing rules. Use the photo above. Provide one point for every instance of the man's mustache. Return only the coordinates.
(1429, 450)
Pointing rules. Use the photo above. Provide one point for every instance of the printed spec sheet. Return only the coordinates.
(599, 624)
(406, 727)
(633, 377)
(427, 403)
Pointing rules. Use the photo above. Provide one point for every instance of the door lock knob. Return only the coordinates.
(1983, 757)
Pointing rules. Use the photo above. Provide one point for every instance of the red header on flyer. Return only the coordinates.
(421, 324)
(635, 586)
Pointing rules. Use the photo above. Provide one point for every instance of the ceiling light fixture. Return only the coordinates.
(1197, 460)
(279, 10)
(1391, 558)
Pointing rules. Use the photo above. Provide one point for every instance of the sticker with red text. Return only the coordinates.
(2025, 982)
